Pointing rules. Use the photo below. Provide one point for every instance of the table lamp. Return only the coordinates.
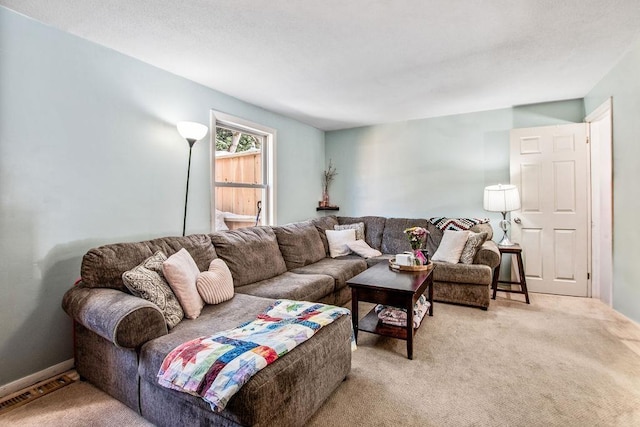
(503, 199)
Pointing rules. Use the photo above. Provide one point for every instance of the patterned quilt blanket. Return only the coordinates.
(458, 224)
(217, 366)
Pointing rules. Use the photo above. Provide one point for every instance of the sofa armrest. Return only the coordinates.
(125, 320)
(462, 273)
(488, 254)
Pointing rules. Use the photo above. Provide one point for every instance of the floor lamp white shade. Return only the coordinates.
(192, 132)
(503, 199)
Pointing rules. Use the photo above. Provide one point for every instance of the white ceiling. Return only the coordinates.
(343, 63)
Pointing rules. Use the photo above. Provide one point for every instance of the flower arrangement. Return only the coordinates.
(328, 175)
(417, 236)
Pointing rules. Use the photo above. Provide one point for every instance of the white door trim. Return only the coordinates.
(601, 242)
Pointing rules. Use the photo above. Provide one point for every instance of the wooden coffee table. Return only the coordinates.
(381, 285)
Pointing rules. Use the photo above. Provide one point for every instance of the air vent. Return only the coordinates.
(23, 397)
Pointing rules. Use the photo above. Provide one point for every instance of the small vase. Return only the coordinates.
(420, 258)
(325, 199)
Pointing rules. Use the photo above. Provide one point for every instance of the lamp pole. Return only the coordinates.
(192, 132)
(191, 141)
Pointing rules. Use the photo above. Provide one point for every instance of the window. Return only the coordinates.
(242, 173)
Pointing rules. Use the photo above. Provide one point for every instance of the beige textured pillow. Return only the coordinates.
(474, 242)
(181, 272)
(338, 241)
(216, 285)
(361, 248)
(147, 282)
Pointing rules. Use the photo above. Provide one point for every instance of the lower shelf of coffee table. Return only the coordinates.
(371, 323)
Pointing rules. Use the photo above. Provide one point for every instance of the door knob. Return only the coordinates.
(517, 220)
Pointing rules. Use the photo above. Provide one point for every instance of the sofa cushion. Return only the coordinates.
(303, 287)
(433, 240)
(300, 244)
(373, 228)
(394, 240)
(341, 269)
(283, 384)
(323, 224)
(147, 281)
(382, 258)
(103, 267)
(252, 254)
(214, 318)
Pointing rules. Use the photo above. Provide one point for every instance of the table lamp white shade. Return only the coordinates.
(501, 198)
(192, 131)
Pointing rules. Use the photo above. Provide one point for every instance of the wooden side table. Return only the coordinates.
(517, 251)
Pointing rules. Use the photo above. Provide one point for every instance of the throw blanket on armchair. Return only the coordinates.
(215, 367)
(458, 224)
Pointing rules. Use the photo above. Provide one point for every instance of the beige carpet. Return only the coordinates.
(560, 361)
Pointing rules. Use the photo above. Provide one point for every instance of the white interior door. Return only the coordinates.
(549, 165)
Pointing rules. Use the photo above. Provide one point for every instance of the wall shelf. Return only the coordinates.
(327, 208)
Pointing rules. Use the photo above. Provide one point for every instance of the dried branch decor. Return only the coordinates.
(328, 176)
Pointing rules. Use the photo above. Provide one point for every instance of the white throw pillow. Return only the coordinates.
(338, 240)
(358, 226)
(451, 246)
(361, 248)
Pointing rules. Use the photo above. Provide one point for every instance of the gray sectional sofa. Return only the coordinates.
(121, 340)
(465, 284)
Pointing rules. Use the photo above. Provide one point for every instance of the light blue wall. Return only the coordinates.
(432, 167)
(623, 84)
(89, 154)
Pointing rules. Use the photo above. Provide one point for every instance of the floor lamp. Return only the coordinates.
(503, 199)
(192, 132)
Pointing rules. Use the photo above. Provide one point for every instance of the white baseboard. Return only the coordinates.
(32, 379)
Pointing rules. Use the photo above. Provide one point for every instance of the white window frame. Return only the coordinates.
(268, 134)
